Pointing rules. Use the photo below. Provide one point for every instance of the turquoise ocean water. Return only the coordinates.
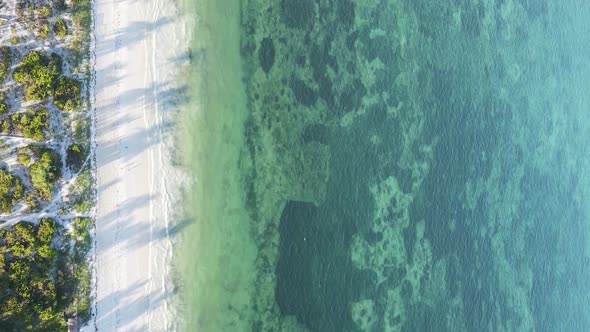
(388, 165)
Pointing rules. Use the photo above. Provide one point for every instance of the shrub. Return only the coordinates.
(6, 127)
(59, 4)
(37, 71)
(43, 31)
(31, 277)
(80, 227)
(66, 95)
(3, 104)
(82, 192)
(45, 11)
(75, 156)
(11, 190)
(84, 205)
(81, 21)
(24, 159)
(5, 61)
(32, 202)
(14, 40)
(83, 181)
(60, 28)
(32, 124)
(45, 230)
(44, 174)
(82, 130)
(82, 13)
(45, 251)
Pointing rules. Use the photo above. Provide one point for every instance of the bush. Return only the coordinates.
(66, 94)
(30, 277)
(5, 61)
(11, 190)
(32, 124)
(6, 127)
(32, 202)
(3, 104)
(75, 157)
(59, 4)
(82, 130)
(84, 205)
(43, 31)
(44, 174)
(82, 195)
(45, 11)
(14, 40)
(45, 230)
(81, 21)
(60, 28)
(37, 71)
(83, 182)
(82, 13)
(24, 159)
(81, 227)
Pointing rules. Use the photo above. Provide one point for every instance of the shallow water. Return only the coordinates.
(388, 165)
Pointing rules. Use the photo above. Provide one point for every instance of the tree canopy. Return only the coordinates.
(37, 71)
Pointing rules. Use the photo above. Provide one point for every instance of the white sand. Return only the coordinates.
(139, 48)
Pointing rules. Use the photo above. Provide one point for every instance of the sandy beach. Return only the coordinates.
(138, 47)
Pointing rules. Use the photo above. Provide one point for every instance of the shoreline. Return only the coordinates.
(135, 99)
(216, 254)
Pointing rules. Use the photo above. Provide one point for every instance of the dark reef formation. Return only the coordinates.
(266, 54)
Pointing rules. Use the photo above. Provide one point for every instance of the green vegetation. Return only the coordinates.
(5, 61)
(43, 31)
(32, 124)
(44, 272)
(82, 130)
(11, 190)
(81, 193)
(3, 103)
(38, 281)
(24, 159)
(32, 202)
(45, 11)
(81, 20)
(37, 72)
(75, 156)
(59, 4)
(5, 126)
(83, 241)
(44, 173)
(66, 94)
(60, 28)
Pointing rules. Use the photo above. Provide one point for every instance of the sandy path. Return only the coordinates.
(133, 246)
